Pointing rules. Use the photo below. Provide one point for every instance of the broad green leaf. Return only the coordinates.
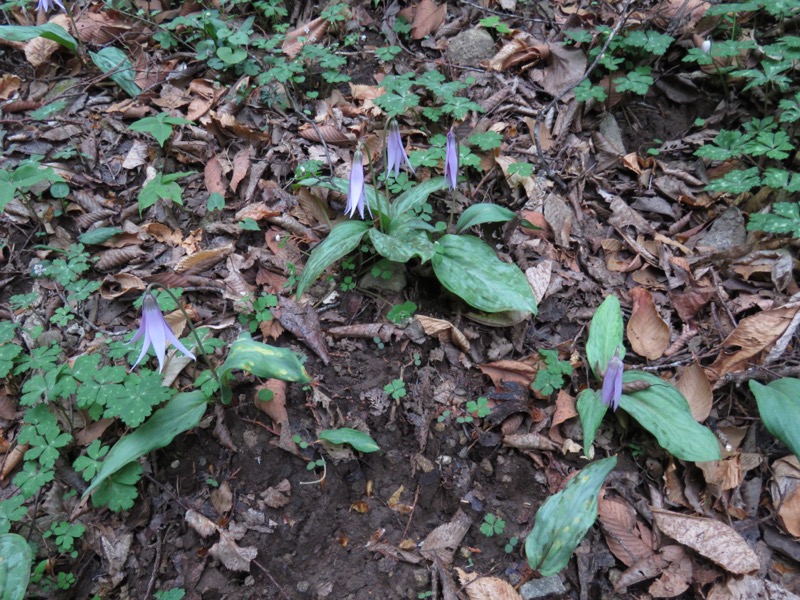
(99, 235)
(664, 412)
(343, 239)
(231, 56)
(181, 413)
(116, 64)
(353, 437)
(260, 360)
(470, 269)
(591, 411)
(483, 213)
(779, 407)
(416, 196)
(15, 566)
(377, 202)
(564, 519)
(49, 31)
(403, 247)
(605, 336)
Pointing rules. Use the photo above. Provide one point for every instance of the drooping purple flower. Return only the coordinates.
(156, 332)
(612, 382)
(395, 151)
(451, 161)
(45, 6)
(356, 195)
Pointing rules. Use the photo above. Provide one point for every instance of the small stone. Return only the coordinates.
(422, 578)
(249, 580)
(302, 586)
(543, 588)
(486, 467)
(250, 439)
(470, 47)
(174, 464)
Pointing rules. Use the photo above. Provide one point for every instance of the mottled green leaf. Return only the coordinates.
(99, 235)
(49, 31)
(779, 407)
(470, 269)
(16, 558)
(260, 360)
(181, 413)
(591, 411)
(564, 519)
(663, 411)
(483, 213)
(605, 336)
(343, 239)
(116, 64)
(353, 437)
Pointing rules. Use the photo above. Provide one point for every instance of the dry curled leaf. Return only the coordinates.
(486, 588)
(114, 286)
(329, 133)
(116, 257)
(233, 556)
(203, 260)
(444, 331)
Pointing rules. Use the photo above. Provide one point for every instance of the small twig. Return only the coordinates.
(411, 515)
(159, 546)
(271, 578)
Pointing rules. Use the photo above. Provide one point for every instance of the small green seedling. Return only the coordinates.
(492, 525)
(396, 389)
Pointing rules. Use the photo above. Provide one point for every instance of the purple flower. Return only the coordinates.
(395, 151)
(612, 382)
(451, 161)
(156, 332)
(45, 6)
(356, 196)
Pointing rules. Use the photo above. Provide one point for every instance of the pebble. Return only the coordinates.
(302, 586)
(543, 588)
(486, 467)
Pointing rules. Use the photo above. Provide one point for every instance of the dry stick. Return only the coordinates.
(544, 111)
(411, 516)
(271, 578)
(159, 546)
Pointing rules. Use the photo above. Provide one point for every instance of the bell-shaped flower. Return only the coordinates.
(45, 6)
(156, 332)
(395, 151)
(612, 382)
(451, 161)
(356, 194)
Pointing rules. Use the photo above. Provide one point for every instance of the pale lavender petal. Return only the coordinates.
(612, 382)
(451, 161)
(355, 191)
(158, 339)
(176, 342)
(395, 151)
(145, 348)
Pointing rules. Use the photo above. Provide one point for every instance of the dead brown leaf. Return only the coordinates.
(629, 539)
(427, 18)
(312, 32)
(716, 541)
(222, 498)
(233, 556)
(564, 69)
(694, 385)
(303, 322)
(523, 50)
(277, 496)
(203, 260)
(202, 525)
(486, 588)
(444, 331)
(241, 164)
(443, 541)
(520, 371)
(213, 176)
(785, 491)
(647, 332)
(753, 336)
(121, 284)
(39, 50)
